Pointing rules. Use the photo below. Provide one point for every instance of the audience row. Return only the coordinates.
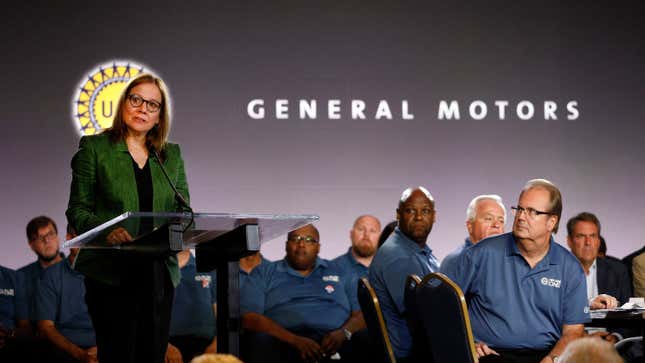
(528, 296)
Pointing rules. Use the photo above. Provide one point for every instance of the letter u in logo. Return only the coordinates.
(109, 108)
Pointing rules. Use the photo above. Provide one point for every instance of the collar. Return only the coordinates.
(410, 244)
(552, 257)
(191, 260)
(593, 266)
(262, 261)
(284, 266)
(351, 257)
(41, 268)
(121, 146)
(467, 242)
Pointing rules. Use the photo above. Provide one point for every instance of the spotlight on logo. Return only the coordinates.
(97, 96)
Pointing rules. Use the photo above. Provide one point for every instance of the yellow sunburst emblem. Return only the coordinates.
(97, 97)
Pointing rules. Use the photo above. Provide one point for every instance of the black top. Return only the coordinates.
(144, 190)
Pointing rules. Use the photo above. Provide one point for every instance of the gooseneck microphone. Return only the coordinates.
(180, 198)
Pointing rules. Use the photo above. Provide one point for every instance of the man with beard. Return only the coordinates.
(404, 253)
(527, 295)
(62, 314)
(485, 217)
(302, 308)
(42, 235)
(364, 236)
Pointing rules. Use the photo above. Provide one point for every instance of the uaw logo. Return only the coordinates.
(96, 99)
(6, 292)
(329, 289)
(550, 282)
(205, 280)
(333, 278)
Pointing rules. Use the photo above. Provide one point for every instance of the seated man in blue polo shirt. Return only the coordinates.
(62, 313)
(42, 235)
(485, 217)
(193, 329)
(7, 309)
(248, 263)
(303, 308)
(364, 236)
(526, 294)
(404, 253)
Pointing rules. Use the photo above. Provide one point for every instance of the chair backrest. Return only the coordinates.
(420, 347)
(445, 321)
(376, 328)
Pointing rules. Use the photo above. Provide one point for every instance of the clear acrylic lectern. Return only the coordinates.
(219, 240)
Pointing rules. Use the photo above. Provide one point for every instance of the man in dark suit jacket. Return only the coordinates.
(613, 280)
(608, 283)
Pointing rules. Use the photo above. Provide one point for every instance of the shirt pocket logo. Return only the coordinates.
(550, 282)
(205, 280)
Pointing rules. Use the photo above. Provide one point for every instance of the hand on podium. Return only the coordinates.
(118, 236)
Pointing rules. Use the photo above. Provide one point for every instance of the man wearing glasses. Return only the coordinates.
(527, 296)
(42, 236)
(302, 308)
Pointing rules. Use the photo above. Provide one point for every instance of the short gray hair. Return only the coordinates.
(470, 211)
(592, 350)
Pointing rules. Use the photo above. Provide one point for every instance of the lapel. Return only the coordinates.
(602, 276)
(124, 164)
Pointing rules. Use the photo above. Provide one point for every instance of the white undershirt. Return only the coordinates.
(592, 281)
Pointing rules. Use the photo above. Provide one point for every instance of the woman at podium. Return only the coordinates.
(129, 297)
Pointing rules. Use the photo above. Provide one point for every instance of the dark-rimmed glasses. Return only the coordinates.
(46, 237)
(306, 239)
(530, 212)
(136, 101)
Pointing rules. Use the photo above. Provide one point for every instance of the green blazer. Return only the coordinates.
(104, 186)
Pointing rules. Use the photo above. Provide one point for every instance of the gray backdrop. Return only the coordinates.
(216, 56)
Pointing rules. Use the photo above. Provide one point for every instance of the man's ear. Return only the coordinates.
(551, 222)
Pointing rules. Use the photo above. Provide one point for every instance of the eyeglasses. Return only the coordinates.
(306, 239)
(44, 238)
(136, 101)
(530, 212)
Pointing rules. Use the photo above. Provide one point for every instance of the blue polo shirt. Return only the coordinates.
(512, 306)
(451, 258)
(192, 310)
(7, 298)
(61, 299)
(348, 262)
(397, 258)
(244, 276)
(320, 302)
(28, 278)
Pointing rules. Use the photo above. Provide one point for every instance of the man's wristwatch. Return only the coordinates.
(348, 334)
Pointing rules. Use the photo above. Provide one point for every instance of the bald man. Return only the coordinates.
(364, 236)
(302, 308)
(404, 253)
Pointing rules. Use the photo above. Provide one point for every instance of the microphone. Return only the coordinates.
(180, 198)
